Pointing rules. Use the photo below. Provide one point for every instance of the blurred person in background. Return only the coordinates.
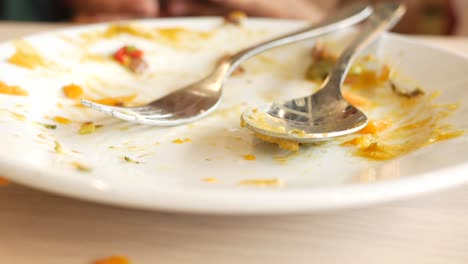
(424, 16)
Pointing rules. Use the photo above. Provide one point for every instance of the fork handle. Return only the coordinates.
(344, 18)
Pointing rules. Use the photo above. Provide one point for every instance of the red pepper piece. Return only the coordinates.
(120, 55)
(136, 54)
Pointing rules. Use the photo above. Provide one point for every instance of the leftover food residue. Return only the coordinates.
(62, 120)
(12, 90)
(250, 157)
(81, 167)
(210, 180)
(131, 58)
(27, 56)
(130, 160)
(274, 182)
(73, 91)
(181, 141)
(87, 128)
(169, 36)
(405, 120)
(235, 17)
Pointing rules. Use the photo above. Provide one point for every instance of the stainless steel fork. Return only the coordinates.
(197, 100)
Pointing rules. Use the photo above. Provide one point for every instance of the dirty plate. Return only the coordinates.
(51, 143)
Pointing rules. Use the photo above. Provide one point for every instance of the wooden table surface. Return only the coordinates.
(39, 228)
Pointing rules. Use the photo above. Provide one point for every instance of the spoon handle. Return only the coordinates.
(385, 17)
(344, 18)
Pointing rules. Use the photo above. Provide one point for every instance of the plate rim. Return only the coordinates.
(258, 201)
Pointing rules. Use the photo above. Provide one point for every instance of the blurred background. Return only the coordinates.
(435, 17)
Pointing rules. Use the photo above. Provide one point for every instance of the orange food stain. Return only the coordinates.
(62, 120)
(355, 100)
(361, 142)
(374, 127)
(12, 90)
(4, 182)
(73, 91)
(369, 78)
(387, 145)
(250, 157)
(113, 260)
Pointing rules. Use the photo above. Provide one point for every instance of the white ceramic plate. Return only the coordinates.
(170, 176)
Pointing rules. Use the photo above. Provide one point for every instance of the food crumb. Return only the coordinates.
(87, 128)
(12, 90)
(116, 101)
(58, 147)
(80, 167)
(48, 126)
(18, 116)
(288, 145)
(181, 141)
(274, 182)
(62, 120)
(4, 182)
(128, 159)
(235, 17)
(250, 157)
(113, 260)
(73, 91)
(210, 180)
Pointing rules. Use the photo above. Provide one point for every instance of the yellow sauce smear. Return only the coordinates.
(12, 90)
(113, 260)
(250, 157)
(282, 143)
(274, 182)
(26, 56)
(383, 142)
(116, 30)
(62, 120)
(174, 34)
(169, 35)
(210, 180)
(181, 141)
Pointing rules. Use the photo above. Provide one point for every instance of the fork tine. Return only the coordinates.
(99, 107)
(129, 114)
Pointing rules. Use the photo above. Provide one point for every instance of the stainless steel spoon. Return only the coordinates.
(325, 114)
(197, 100)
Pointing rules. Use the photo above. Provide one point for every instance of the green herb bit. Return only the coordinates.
(48, 126)
(130, 48)
(58, 147)
(128, 159)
